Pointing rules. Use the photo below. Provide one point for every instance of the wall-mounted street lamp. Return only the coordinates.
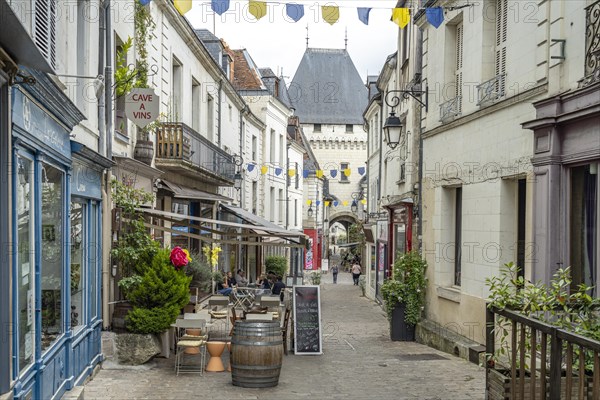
(309, 212)
(393, 125)
(356, 196)
(237, 181)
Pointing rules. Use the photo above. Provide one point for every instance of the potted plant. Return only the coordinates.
(404, 295)
(276, 264)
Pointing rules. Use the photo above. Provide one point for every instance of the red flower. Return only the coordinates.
(178, 258)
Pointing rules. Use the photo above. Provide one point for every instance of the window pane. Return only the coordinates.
(94, 247)
(25, 262)
(78, 211)
(52, 254)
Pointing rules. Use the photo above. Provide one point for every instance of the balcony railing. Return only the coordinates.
(542, 361)
(492, 90)
(177, 141)
(451, 109)
(592, 45)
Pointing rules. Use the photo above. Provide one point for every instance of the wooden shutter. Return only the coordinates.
(459, 64)
(501, 35)
(44, 29)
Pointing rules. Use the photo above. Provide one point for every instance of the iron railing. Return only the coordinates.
(451, 109)
(592, 45)
(177, 141)
(542, 361)
(491, 90)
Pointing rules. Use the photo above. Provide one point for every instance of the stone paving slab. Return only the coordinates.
(359, 362)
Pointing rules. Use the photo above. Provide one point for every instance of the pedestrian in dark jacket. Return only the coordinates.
(335, 271)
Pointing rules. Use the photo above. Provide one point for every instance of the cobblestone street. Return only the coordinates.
(359, 362)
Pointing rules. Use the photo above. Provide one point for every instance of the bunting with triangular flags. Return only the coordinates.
(294, 11)
(278, 171)
(183, 6)
(291, 173)
(145, 2)
(318, 203)
(363, 14)
(219, 6)
(347, 172)
(361, 170)
(330, 14)
(364, 201)
(333, 173)
(305, 173)
(345, 203)
(258, 9)
(308, 202)
(251, 167)
(401, 16)
(327, 203)
(336, 203)
(435, 16)
(319, 173)
(264, 169)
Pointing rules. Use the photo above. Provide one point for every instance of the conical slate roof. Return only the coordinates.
(327, 88)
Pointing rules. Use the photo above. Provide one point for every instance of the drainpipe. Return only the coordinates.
(219, 111)
(107, 125)
(417, 124)
(101, 96)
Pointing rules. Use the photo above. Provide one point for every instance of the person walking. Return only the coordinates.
(356, 271)
(335, 271)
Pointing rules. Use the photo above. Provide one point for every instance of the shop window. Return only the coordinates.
(584, 225)
(51, 268)
(78, 262)
(94, 249)
(25, 259)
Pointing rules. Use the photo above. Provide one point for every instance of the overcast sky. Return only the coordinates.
(277, 42)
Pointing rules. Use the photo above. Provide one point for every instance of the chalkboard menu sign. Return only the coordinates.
(307, 320)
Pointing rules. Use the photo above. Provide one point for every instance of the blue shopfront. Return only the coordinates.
(56, 229)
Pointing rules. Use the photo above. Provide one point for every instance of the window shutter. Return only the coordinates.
(459, 64)
(44, 29)
(501, 35)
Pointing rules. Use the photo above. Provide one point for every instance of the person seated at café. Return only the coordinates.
(278, 287)
(240, 278)
(226, 286)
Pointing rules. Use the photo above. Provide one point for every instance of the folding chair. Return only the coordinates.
(242, 298)
(188, 341)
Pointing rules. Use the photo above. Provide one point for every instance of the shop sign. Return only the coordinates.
(141, 106)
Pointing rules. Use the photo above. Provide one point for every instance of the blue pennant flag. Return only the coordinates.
(219, 6)
(333, 173)
(145, 2)
(363, 14)
(361, 170)
(278, 171)
(318, 202)
(306, 173)
(435, 16)
(335, 203)
(251, 167)
(294, 11)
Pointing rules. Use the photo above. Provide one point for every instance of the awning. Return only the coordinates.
(348, 244)
(184, 192)
(217, 231)
(259, 223)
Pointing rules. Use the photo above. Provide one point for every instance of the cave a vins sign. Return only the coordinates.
(141, 106)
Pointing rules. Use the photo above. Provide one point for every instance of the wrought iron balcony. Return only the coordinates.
(181, 149)
(451, 109)
(492, 90)
(592, 45)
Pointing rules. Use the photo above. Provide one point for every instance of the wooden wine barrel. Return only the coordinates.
(256, 354)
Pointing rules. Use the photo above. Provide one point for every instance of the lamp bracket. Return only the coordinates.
(394, 97)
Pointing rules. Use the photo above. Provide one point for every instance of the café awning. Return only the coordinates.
(258, 223)
(225, 232)
(184, 192)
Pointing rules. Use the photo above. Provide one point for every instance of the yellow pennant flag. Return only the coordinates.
(308, 202)
(264, 169)
(257, 8)
(347, 171)
(327, 203)
(401, 16)
(364, 201)
(183, 6)
(291, 173)
(330, 14)
(345, 203)
(319, 173)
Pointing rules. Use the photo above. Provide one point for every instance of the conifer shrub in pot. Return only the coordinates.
(404, 295)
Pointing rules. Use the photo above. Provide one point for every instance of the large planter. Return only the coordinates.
(400, 331)
(144, 151)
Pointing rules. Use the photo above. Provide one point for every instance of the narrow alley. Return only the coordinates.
(359, 362)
